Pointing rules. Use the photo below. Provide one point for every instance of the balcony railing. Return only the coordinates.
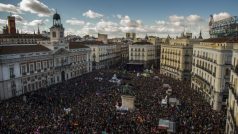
(233, 118)
(201, 79)
(12, 76)
(203, 68)
(233, 90)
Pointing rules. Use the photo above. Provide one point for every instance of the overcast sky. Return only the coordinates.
(115, 17)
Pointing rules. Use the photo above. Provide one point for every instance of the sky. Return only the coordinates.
(116, 17)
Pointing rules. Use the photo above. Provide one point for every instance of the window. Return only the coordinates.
(23, 69)
(54, 34)
(51, 63)
(44, 64)
(11, 71)
(38, 66)
(31, 67)
(61, 34)
(227, 73)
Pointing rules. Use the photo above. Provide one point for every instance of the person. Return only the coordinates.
(44, 110)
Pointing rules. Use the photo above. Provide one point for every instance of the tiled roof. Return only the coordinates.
(93, 42)
(142, 43)
(21, 36)
(22, 49)
(76, 45)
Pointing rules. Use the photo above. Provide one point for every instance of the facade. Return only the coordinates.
(124, 53)
(103, 38)
(10, 36)
(11, 25)
(25, 68)
(232, 106)
(211, 70)
(20, 39)
(176, 57)
(223, 28)
(103, 55)
(131, 36)
(155, 41)
(142, 53)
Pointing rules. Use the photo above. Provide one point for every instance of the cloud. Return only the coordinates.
(194, 19)
(119, 16)
(127, 22)
(75, 21)
(221, 15)
(3, 22)
(18, 17)
(106, 27)
(91, 14)
(9, 8)
(36, 22)
(177, 24)
(176, 18)
(36, 7)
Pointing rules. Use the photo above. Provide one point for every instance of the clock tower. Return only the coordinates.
(57, 30)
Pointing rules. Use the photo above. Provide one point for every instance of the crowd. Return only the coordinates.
(86, 105)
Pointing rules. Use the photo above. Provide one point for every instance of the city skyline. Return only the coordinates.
(115, 18)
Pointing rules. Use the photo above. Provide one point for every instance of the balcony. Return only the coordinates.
(12, 76)
(214, 74)
(203, 68)
(235, 69)
(63, 66)
(201, 79)
(231, 116)
(233, 90)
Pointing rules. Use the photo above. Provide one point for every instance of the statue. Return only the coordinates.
(127, 97)
(126, 90)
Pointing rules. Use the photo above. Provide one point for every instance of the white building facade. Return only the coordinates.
(25, 68)
(176, 57)
(232, 106)
(103, 55)
(211, 70)
(142, 52)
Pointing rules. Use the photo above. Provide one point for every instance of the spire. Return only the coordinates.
(200, 35)
(38, 30)
(146, 37)
(34, 32)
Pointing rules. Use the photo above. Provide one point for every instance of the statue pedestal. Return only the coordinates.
(128, 102)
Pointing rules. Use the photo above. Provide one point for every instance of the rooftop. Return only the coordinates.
(22, 49)
(142, 43)
(21, 36)
(76, 45)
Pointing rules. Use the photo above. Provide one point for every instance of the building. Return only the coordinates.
(223, 28)
(102, 55)
(232, 106)
(155, 41)
(124, 53)
(142, 53)
(103, 38)
(131, 36)
(10, 36)
(11, 25)
(176, 57)
(25, 68)
(211, 70)
(8, 39)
